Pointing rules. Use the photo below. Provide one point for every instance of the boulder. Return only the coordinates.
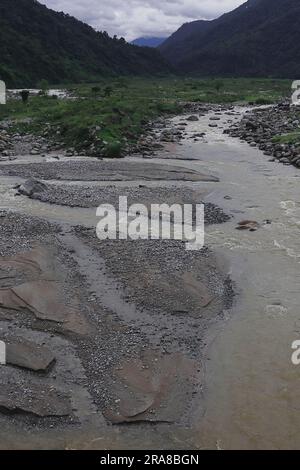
(31, 186)
(193, 118)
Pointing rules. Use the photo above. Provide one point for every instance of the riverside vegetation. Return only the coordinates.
(107, 118)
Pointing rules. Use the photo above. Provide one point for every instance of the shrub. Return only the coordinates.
(218, 84)
(108, 91)
(44, 86)
(263, 101)
(24, 95)
(96, 90)
(113, 150)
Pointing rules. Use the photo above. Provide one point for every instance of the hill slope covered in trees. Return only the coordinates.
(38, 43)
(148, 41)
(260, 38)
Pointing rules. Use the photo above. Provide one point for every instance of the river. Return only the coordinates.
(251, 394)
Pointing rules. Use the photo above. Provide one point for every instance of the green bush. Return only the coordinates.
(44, 86)
(113, 150)
(263, 101)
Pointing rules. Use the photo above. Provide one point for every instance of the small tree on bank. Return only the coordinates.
(96, 90)
(44, 86)
(219, 85)
(25, 96)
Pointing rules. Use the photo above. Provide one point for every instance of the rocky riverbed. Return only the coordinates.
(13, 144)
(114, 170)
(261, 127)
(92, 197)
(153, 137)
(76, 313)
(101, 332)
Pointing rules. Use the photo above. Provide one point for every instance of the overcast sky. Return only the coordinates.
(134, 18)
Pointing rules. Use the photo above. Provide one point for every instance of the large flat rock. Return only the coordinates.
(31, 282)
(42, 298)
(38, 400)
(153, 388)
(28, 355)
(118, 170)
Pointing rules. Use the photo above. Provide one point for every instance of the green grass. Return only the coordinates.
(114, 110)
(292, 138)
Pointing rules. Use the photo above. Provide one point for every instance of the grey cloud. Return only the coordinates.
(133, 18)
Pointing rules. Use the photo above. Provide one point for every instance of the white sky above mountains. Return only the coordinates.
(135, 18)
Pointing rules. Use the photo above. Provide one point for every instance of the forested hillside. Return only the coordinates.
(38, 43)
(260, 38)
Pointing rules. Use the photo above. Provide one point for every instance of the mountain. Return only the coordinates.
(176, 44)
(148, 41)
(38, 43)
(260, 38)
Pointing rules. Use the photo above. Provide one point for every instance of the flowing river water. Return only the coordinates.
(252, 393)
(252, 389)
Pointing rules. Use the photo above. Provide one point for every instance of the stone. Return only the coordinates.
(38, 400)
(31, 186)
(285, 161)
(153, 388)
(42, 298)
(251, 225)
(28, 355)
(193, 118)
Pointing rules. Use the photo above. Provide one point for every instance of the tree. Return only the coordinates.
(96, 90)
(44, 86)
(25, 96)
(108, 91)
(219, 85)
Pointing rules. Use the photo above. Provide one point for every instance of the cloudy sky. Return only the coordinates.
(134, 18)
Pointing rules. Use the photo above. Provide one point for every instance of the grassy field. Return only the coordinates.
(108, 113)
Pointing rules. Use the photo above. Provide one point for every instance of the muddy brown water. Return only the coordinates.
(252, 387)
(251, 395)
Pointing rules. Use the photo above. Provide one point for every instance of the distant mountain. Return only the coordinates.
(148, 41)
(260, 38)
(37, 43)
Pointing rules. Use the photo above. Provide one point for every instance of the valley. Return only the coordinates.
(149, 228)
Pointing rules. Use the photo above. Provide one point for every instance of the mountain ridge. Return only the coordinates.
(259, 38)
(38, 43)
(148, 41)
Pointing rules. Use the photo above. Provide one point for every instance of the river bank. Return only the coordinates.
(275, 130)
